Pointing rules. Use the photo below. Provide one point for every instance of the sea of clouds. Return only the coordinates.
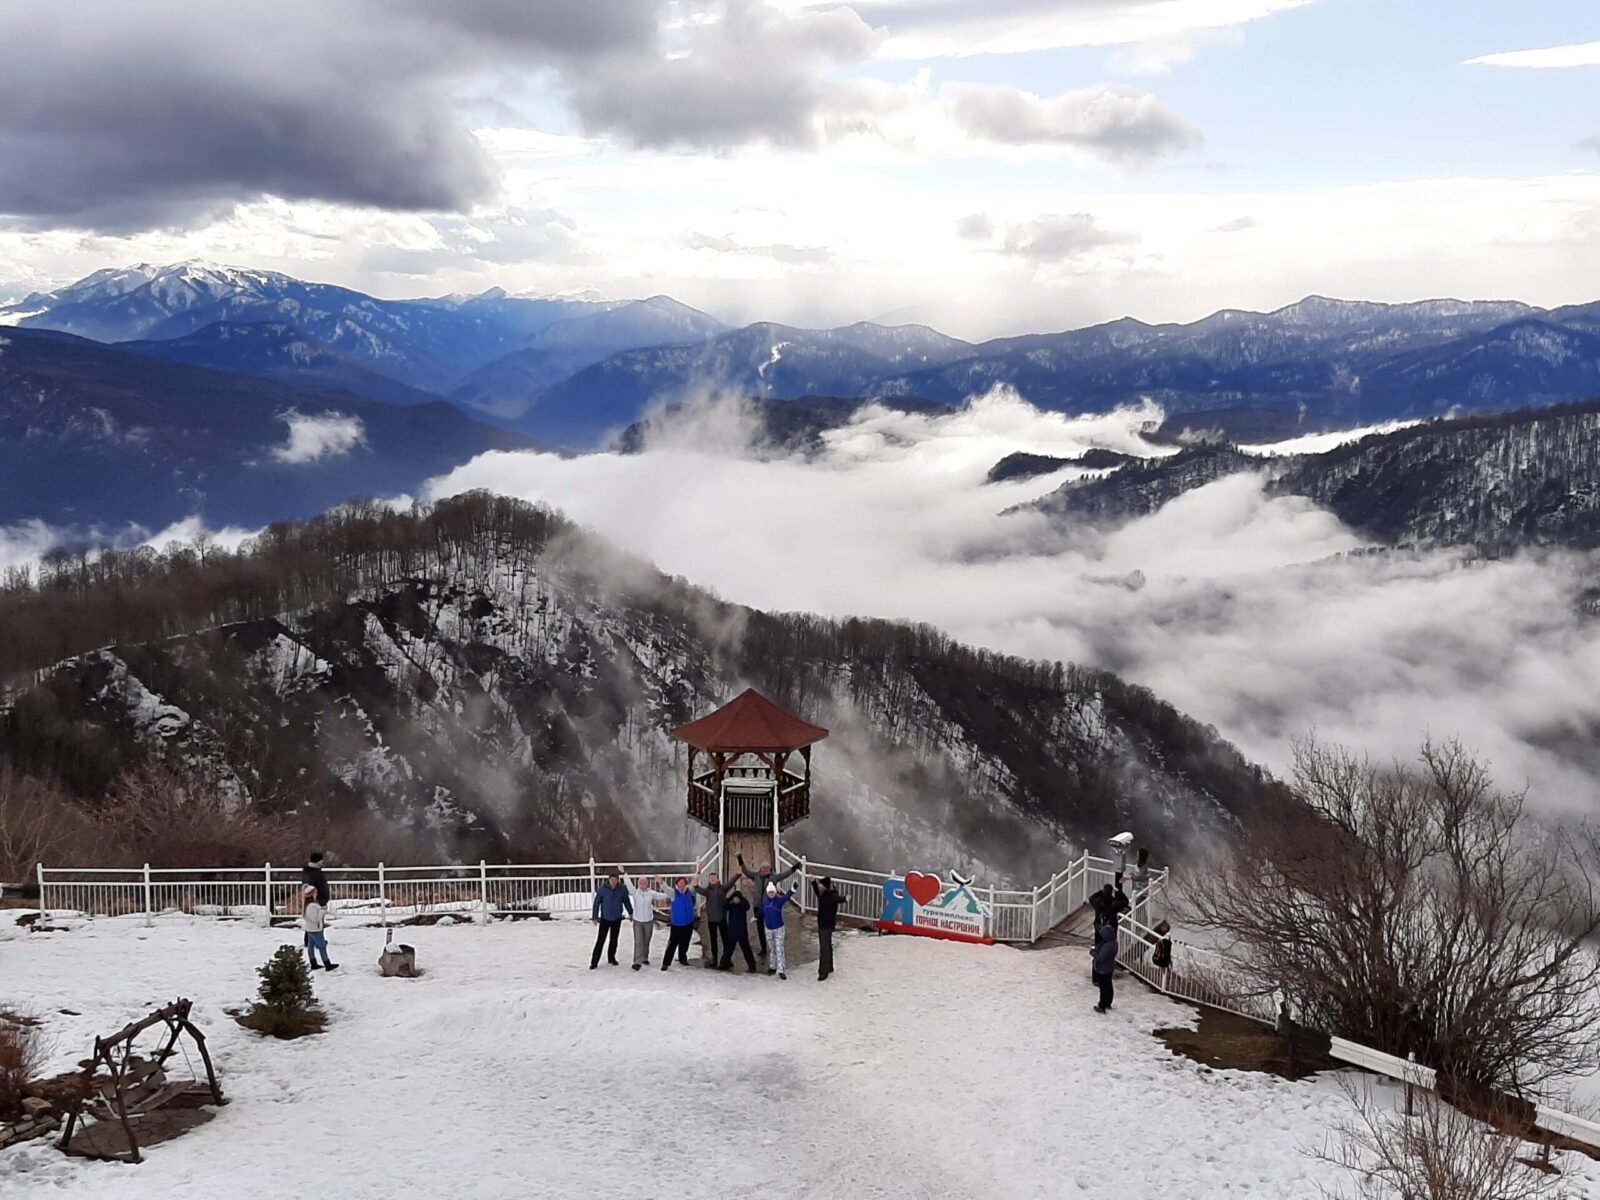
(1261, 616)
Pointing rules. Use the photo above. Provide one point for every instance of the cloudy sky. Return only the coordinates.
(987, 167)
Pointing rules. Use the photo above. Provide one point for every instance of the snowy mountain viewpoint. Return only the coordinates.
(922, 1069)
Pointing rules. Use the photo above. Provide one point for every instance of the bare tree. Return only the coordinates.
(1416, 909)
(1436, 1153)
(37, 823)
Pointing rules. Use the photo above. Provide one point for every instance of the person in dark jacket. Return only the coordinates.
(736, 906)
(1105, 963)
(715, 893)
(682, 924)
(311, 875)
(1109, 903)
(761, 878)
(610, 903)
(828, 902)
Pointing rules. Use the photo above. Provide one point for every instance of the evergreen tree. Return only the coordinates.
(286, 982)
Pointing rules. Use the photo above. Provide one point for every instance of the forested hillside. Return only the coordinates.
(1525, 478)
(497, 682)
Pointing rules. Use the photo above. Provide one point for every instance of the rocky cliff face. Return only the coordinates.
(514, 700)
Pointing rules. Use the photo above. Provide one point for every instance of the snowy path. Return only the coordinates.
(922, 1069)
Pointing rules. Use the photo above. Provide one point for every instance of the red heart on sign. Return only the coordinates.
(923, 888)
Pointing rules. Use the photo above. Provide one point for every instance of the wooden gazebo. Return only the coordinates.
(743, 776)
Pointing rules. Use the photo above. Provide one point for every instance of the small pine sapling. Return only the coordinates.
(287, 1007)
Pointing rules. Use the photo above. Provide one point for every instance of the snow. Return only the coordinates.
(1321, 443)
(510, 1070)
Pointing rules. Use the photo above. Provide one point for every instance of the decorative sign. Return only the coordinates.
(922, 904)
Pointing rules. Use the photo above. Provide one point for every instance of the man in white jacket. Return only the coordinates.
(644, 900)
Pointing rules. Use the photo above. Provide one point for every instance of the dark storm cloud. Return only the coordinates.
(127, 114)
(754, 75)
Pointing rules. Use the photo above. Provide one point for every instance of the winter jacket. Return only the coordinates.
(644, 902)
(1105, 950)
(772, 909)
(828, 908)
(761, 879)
(716, 897)
(313, 876)
(737, 909)
(611, 901)
(315, 918)
(682, 907)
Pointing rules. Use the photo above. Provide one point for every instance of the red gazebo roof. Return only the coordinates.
(749, 722)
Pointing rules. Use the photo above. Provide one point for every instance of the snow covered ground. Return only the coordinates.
(922, 1069)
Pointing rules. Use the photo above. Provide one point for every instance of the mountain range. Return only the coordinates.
(95, 439)
(576, 371)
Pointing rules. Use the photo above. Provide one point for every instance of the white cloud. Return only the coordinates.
(311, 438)
(1583, 54)
(1158, 55)
(1245, 610)
(1118, 124)
(24, 543)
(186, 531)
(919, 29)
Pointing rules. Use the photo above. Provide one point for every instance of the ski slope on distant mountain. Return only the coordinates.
(922, 1069)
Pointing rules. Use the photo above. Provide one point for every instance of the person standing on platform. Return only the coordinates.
(1105, 964)
(644, 899)
(772, 917)
(610, 903)
(682, 924)
(761, 879)
(715, 893)
(736, 906)
(828, 901)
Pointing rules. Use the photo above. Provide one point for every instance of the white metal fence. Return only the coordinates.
(481, 889)
(507, 889)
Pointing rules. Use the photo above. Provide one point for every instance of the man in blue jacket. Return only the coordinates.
(610, 903)
(772, 920)
(682, 924)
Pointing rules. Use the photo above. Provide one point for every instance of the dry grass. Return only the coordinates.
(1228, 1042)
(23, 1049)
(284, 1025)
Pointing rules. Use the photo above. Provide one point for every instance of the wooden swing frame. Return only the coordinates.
(125, 1083)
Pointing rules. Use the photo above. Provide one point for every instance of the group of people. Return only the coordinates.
(1109, 904)
(727, 910)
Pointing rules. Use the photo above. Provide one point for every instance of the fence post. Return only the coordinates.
(266, 874)
(147, 918)
(1410, 1058)
(594, 884)
(1033, 930)
(994, 913)
(803, 885)
(44, 906)
(1085, 877)
(483, 890)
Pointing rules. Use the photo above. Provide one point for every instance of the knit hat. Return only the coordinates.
(772, 889)
(307, 892)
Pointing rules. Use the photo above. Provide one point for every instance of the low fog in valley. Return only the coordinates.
(1265, 617)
